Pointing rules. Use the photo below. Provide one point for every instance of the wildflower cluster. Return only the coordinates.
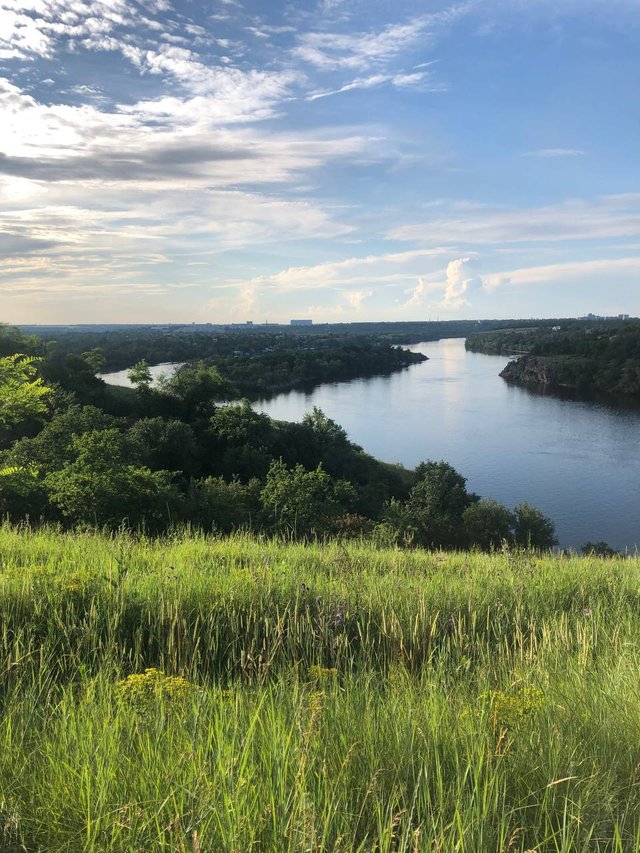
(322, 676)
(508, 710)
(145, 691)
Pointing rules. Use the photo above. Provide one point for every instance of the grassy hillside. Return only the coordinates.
(199, 695)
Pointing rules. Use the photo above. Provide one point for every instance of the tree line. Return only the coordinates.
(589, 357)
(185, 454)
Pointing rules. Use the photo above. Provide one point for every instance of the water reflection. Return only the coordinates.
(579, 461)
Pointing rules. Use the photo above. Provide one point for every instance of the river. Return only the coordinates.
(579, 462)
(121, 377)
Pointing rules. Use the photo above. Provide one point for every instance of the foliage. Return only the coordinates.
(599, 549)
(14, 340)
(304, 502)
(164, 443)
(173, 454)
(22, 494)
(22, 391)
(509, 709)
(140, 375)
(488, 524)
(100, 487)
(197, 387)
(51, 448)
(432, 516)
(533, 529)
(94, 359)
(263, 373)
(217, 504)
(587, 356)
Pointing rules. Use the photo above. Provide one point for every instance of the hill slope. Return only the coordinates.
(314, 698)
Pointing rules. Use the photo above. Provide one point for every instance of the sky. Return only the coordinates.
(338, 160)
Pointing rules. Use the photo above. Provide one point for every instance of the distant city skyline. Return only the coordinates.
(340, 161)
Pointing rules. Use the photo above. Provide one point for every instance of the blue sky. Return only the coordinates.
(334, 159)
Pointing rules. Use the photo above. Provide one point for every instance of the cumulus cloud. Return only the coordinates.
(418, 294)
(459, 282)
(355, 298)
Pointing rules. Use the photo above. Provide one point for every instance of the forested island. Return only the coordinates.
(601, 358)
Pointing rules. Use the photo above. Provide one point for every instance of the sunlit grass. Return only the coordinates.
(312, 698)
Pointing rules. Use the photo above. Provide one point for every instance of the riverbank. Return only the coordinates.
(509, 442)
(589, 358)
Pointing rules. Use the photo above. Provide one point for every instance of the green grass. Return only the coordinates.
(338, 698)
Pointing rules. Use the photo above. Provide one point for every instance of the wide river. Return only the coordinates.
(578, 462)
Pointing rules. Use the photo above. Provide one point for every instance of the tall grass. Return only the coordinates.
(340, 698)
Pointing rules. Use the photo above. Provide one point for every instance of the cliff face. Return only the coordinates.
(534, 370)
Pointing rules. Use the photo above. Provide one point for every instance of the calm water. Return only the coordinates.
(119, 377)
(578, 462)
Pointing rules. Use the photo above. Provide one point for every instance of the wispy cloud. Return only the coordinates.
(331, 51)
(559, 274)
(553, 152)
(576, 219)
(400, 81)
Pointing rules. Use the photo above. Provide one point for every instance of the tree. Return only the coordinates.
(161, 443)
(140, 376)
(217, 504)
(441, 489)
(51, 448)
(94, 358)
(22, 493)
(198, 387)
(487, 523)
(533, 529)
(101, 487)
(599, 549)
(434, 509)
(22, 391)
(304, 502)
(14, 340)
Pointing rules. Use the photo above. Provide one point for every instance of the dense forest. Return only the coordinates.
(587, 357)
(182, 453)
(122, 346)
(284, 369)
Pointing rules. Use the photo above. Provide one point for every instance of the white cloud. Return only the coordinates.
(575, 219)
(460, 279)
(355, 298)
(330, 51)
(400, 81)
(601, 268)
(553, 152)
(382, 270)
(416, 300)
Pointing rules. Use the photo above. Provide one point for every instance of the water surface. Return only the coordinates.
(120, 377)
(579, 462)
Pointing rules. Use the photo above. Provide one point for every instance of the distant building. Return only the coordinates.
(302, 322)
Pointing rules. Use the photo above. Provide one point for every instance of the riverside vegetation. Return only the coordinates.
(73, 454)
(196, 694)
(588, 357)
